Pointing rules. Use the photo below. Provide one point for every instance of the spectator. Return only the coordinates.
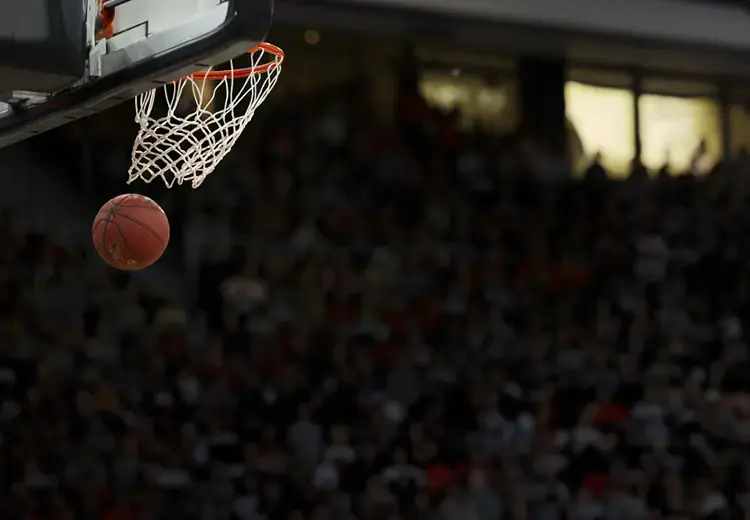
(445, 329)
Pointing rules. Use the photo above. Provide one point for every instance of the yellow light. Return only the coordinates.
(604, 121)
(312, 37)
(672, 128)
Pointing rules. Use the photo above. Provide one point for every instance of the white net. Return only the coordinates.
(186, 145)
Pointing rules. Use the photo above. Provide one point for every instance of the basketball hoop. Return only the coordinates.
(186, 147)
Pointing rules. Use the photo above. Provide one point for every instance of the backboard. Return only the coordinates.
(53, 68)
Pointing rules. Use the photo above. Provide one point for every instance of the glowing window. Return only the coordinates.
(682, 132)
(603, 121)
(490, 106)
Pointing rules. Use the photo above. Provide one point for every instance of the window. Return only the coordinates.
(681, 132)
(479, 102)
(602, 121)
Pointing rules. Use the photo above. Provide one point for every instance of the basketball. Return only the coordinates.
(130, 232)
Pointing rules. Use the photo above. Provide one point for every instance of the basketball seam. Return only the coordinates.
(125, 243)
(116, 205)
(119, 204)
(93, 232)
(104, 238)
(146, 228)
(108, 219)
(146, 206)
(97, 224)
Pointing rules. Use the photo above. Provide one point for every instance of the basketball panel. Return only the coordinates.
(146, 212)
(118, 251)
(97, 233)
(99, 236)
(133, 244)
(137, 200)
(149, 217)
(116, 201)
(109, 207)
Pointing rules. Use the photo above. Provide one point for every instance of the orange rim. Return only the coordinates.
(270, 48)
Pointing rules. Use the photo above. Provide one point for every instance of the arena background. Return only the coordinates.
(459, 267)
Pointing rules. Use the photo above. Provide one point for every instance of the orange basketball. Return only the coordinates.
(130, 232)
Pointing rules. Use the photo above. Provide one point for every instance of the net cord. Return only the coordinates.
(180, 148)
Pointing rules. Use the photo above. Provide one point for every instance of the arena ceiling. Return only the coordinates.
(580, 48)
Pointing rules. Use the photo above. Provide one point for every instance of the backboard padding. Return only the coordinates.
(139, 19)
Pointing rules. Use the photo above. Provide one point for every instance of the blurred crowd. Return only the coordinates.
(388, 324)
